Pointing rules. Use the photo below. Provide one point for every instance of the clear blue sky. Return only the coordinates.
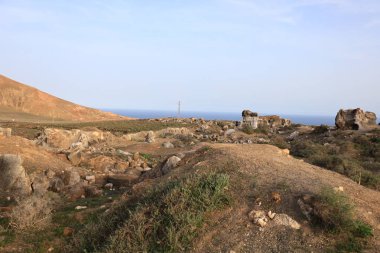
(290, 57)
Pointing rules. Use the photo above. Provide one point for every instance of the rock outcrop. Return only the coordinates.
(7, 132)
(355, 119)
(250, 119)
(13, 178)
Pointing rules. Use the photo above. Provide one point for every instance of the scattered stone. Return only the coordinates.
(258, 217)
(108, 186)
(293, 135)
(167, 145)
(56, 184)
(76, 191)
(170, 164)
(271, 215)
(339, 189)
(276, 197)
(80, 207)
(90, 179)
(285, 220)
(92, 191)
(71, 177)
(67, 231)
(121, 152)
(75, 157)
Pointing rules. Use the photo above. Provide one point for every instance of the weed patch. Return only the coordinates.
(164, 220)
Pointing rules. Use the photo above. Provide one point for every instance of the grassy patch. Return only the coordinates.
(31, 130)
(164, 220)
(333, 211)
(355, 156)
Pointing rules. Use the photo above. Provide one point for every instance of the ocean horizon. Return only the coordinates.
(152, 114)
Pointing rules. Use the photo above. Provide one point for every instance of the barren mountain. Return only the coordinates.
(19, 98)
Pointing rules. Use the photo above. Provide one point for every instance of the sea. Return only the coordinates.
(150, 114)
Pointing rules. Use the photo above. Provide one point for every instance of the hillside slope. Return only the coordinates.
(20, 98)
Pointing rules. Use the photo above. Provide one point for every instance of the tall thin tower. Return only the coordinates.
(179, 109)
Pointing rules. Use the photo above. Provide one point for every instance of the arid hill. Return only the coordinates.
(17, 98)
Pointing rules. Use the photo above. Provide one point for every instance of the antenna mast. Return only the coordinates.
(179, 109)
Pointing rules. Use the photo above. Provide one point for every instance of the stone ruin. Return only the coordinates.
(250, 119)
(253, 120)
(355, 119)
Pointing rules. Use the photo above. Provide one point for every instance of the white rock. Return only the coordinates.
(167, 145)
(80, 207)
(271, 215)
(90, 179)
(170, 164)
(108, 186)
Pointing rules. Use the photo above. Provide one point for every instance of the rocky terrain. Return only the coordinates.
(188, 185)
(20, 101)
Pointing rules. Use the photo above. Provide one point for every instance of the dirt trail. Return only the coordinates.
(270, 166)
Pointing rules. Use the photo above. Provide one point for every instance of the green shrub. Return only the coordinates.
(248, 129)
(321, 129)
(333, 211)
(165, 220)
(362, 230)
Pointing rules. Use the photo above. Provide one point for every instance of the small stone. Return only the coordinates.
(67, 231)
(167, 145)
(80, 207)
(271, 215)
(136, 156)
(276, 197)
(108, 186)
(90, 179)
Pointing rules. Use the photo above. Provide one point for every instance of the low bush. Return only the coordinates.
(164, 220)
(333, 211)
(31, 213)
(321, 129)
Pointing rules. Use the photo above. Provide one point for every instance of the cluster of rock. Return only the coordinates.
(355, 119)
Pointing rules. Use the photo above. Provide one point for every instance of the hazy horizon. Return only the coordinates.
(302, 57)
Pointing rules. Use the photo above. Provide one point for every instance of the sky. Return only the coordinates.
(306, 57)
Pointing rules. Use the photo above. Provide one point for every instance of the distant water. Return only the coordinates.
(149, 114)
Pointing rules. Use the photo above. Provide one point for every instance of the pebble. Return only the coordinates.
(80, 207)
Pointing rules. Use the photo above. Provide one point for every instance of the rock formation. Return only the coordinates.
(355, 119)
(13, 178)
(250, 119)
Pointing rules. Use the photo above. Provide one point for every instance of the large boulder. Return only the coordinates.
(355, 119)
(170, 164)
(13, 178)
